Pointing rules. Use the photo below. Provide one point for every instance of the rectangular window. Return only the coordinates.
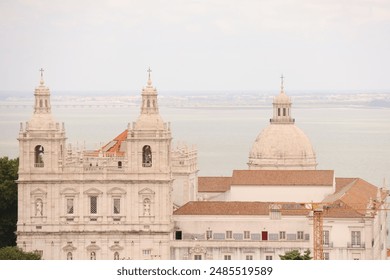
(198, 257)
(227, 257)
(117, 206)
(229, 234)
(275, 214)
(146, 252)
(69, 206)
(247, 234)
(93, 204)
(356, 238)
(178, 235)
(282, 235)
(284, 112)
(326, 256)
(249, 257)
(268, 258)
(209, 234)
(326, 237)
(300, 235)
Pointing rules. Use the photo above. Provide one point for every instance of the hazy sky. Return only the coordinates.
(195, 44)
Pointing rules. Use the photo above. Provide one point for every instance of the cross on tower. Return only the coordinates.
(41, 70)
(282, 80)
(149, 71)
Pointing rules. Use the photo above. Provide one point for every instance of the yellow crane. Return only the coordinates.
(319, 209)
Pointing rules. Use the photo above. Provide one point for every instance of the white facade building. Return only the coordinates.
(137, 197)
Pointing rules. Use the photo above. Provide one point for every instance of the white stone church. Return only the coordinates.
(137, 197)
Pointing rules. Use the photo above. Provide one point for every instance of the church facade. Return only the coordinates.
(138, 197)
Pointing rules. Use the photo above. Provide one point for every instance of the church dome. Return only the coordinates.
(282, 145)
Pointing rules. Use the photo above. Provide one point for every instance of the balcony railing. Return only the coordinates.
(328, 245)
(360, 245)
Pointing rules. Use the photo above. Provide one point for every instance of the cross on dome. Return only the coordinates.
(282, 83)
(149, 79)
(41, 70)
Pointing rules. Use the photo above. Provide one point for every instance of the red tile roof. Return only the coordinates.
(350, 201)
(342, 182)
(358, 194)
(239, 208)
(283, 177)
(214, 184)
(114, 147)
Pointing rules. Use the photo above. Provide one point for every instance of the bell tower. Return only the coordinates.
(41, 140)
(282, 107)
(149, 138)
(149, 168)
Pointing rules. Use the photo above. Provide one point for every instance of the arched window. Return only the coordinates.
(38, 207)
(46, 104)
(119, 164)
(146, 156)
(93, 256)
(40, 103)
(154, 103)
(69, 256)
(116, 256)
(278, 112)
(148, 103)
(38, 158)
(284, 112)
(146, 207)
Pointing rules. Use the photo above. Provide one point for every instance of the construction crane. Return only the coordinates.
(318, 236)
(318, 210)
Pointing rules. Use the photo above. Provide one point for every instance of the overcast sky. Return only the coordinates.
(195, 44)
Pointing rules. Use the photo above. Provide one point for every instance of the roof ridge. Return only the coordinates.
(339, 194)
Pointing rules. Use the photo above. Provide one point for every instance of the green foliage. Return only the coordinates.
(295, 255)
(14, 253)
(8, 201)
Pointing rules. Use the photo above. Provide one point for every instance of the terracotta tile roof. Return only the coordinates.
(359, 194)
(239, 208)
(338, 209)
(353, 195)
(283, 177)
(342, 182)
(214, 184)
(114, 147)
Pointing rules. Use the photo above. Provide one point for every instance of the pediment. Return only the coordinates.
(69, 247)
(69, 191)
(93, 247)
(116, 247)
(116, 190)
(146, 191)
(92, 191)
(38, 191)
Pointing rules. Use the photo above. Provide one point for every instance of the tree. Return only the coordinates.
(8, 201)
(295, 255)
(15, 253)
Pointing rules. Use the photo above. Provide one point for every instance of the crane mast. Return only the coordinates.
(318, 223)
